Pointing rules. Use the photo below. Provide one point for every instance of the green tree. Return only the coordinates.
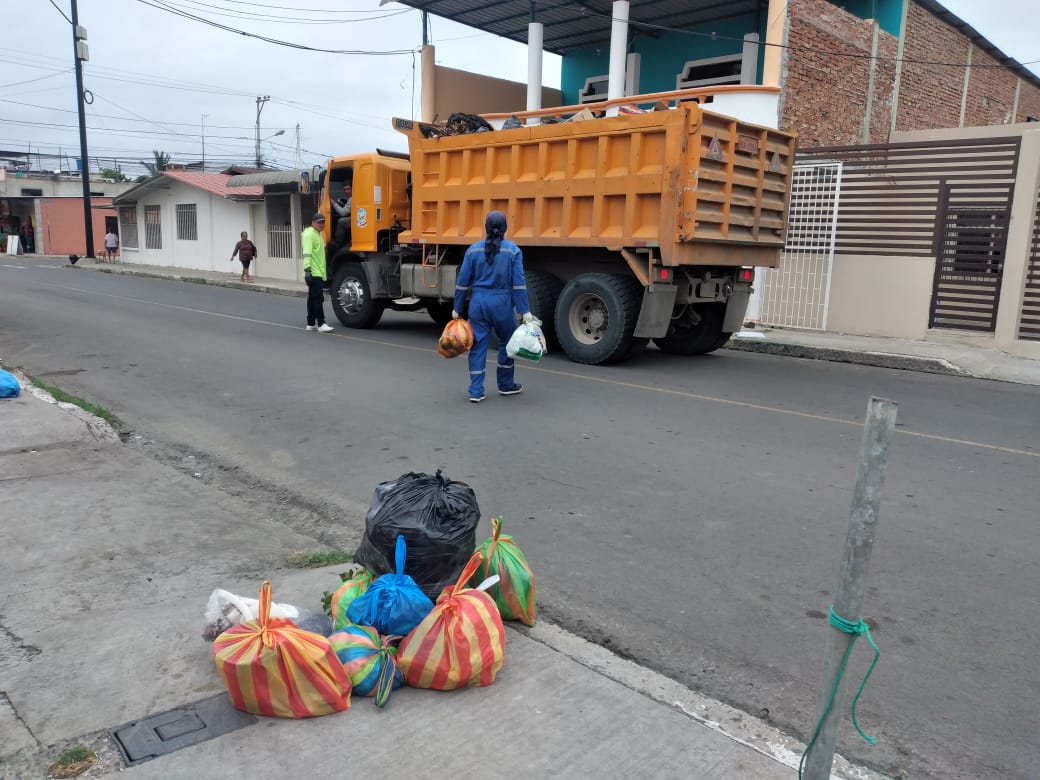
(162, 160)
(114, 174)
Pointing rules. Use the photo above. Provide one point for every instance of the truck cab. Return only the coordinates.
(364, 271)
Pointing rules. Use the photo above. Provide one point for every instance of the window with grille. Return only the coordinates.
(721, 71)
(595, 89)
(128, 227)
(187, 222)
(153, 227)
(710, 72)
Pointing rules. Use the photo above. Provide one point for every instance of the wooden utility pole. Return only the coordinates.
(848, 600)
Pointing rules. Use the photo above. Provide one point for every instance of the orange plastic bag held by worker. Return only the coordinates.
(271, 667)
(461, 643)
(456, 338)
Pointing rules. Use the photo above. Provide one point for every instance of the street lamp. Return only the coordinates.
(259, 160)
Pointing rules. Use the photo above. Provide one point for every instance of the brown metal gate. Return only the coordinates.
(970, 240)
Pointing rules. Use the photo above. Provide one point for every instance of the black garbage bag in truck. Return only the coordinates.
(438, 518)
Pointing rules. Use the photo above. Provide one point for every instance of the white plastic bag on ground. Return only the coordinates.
(224, 610)
(527, 341)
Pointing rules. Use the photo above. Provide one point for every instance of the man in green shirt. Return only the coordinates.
(314, 274)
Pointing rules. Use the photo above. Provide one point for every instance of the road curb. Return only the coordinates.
(837, 355)
(234, 285)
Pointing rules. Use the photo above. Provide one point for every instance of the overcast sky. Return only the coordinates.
(154, 74)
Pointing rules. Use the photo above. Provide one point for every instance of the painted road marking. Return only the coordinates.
(587, 378)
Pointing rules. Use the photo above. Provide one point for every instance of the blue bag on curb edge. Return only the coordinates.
(393, 604)
(9, 387)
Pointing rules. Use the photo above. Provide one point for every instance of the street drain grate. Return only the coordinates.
(142, 740)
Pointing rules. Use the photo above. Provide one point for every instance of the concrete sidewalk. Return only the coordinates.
(945, 352)
(108, 557)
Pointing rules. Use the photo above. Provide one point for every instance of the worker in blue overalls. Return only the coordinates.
(492, 276)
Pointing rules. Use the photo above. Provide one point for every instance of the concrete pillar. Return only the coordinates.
(535, 33)
(749, 59)
(776, 37)
(869, 110)
(297, 230)
(632, 66)
(429, 83)
(618, 53)
(967, 82)
(899, 72)
(1019, 244)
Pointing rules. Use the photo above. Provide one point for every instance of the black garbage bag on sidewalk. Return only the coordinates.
(438, 518)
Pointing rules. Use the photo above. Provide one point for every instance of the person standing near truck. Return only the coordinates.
(314, 274)
(492, 275)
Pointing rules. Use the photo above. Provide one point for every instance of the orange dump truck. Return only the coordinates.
(634, 227)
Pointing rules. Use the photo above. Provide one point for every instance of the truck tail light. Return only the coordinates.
(746, 275)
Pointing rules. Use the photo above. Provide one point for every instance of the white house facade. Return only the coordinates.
(182, 219)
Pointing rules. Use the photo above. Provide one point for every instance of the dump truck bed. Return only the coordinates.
(705, 188)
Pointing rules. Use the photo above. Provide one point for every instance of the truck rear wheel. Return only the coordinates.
(440, 312)
(352, 298)
(543, 290)
(688, 338)
(596, 317)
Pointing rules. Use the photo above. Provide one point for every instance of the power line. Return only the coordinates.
(261, 17)
(67, 19)
(30, 81)
(305, 10)
(161, 6)
(122, 118)
(124, 130)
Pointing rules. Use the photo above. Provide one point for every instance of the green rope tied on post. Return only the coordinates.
(855, 628)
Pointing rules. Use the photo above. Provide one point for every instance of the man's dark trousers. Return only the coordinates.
(316, 301)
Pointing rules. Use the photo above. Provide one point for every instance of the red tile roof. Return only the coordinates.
(213, 182)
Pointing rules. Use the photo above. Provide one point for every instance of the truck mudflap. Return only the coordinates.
(736, 308)
(656, 312)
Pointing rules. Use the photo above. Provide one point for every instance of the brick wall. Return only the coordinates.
(1028, 102)
(825, 94)
(930, 95)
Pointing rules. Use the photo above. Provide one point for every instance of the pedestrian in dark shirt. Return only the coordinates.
(246, 251)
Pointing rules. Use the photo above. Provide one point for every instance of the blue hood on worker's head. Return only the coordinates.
(495, 227)
(495, 224)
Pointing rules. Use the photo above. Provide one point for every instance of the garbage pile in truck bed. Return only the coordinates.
(421, 607)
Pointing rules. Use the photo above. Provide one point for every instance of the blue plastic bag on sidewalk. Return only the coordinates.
(9, 387)
(393, 604)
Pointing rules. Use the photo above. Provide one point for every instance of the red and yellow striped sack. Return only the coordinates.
(271, 667)
(514, 593)
(460, 644)
(456, 338)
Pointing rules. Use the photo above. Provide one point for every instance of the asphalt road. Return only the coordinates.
(687, 513)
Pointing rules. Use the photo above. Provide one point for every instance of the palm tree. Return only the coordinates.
(162, 160)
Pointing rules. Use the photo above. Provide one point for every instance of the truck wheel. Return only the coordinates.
(440, 312)
(700, 339)
(543, 290)
(352, 298)
(595, 317)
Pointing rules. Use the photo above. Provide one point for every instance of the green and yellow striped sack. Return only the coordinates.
(345, 595)
(514, 593)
